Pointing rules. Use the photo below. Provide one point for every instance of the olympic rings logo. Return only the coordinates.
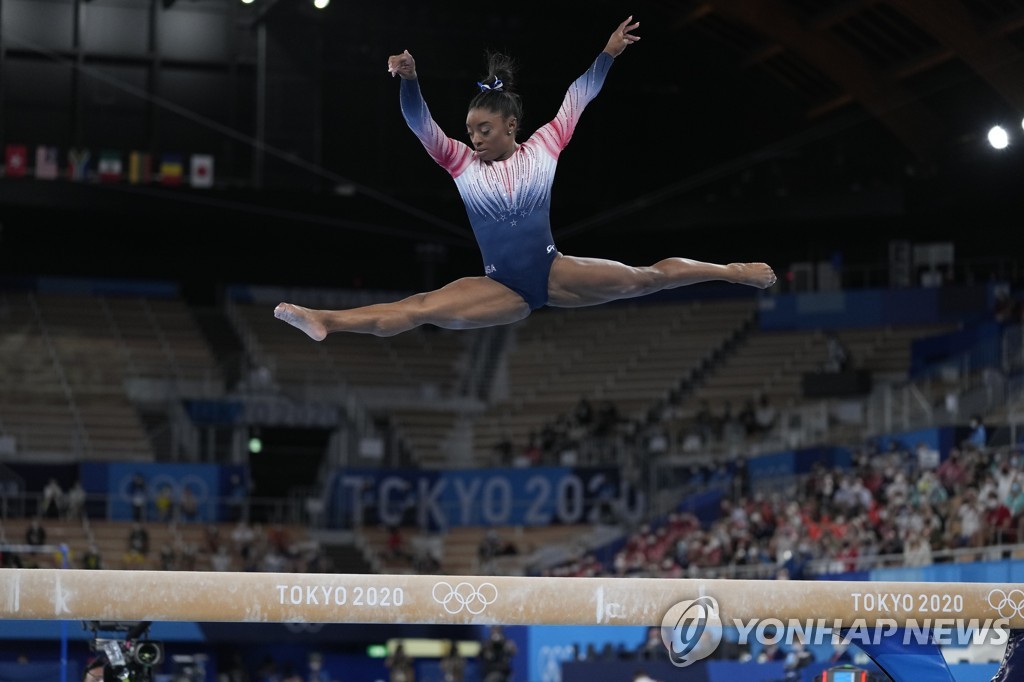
(1008, 604)
(465, 596)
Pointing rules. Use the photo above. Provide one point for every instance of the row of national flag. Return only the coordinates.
(81, 165)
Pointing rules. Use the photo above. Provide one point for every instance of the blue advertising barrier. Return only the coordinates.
(209, 483)
(439, 500)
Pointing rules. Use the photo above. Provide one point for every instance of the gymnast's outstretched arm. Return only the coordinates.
(450, 154)
(576, 282)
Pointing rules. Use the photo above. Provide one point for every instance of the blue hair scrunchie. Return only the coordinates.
(497, 85)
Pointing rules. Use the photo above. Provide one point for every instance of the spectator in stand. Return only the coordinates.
(92, 560)
(927, 457)
(998, 521)
(845, 498)
(897, 492)
(35, 534)
(765, 416)
(138, 495)
(951, 471)
(53, 500)
(532, 453)
(848, 554)
(238, 498)
(453, 666)
(188, 505)
(396, 549)
(400, 665)
(221, 559)
(1006, 473)
(1015, 502)
(741, 477)
(841, 654)
(705, 423)
(245, 541)
(487, 551)
(583, 413)
(747, 418)
(932, 525)
(967, 529)
(188, 554)
(168, 559)
(652, 648)
(138, 546)
(838, 356)
(917, 550)
(977, 437)
(211, 538)
(730, 430)
(929, 489)
(164, 503)
(75, 502)
(771, 652)
(797, 658)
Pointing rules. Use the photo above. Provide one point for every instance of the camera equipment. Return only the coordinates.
(851, 673)
(130, 658)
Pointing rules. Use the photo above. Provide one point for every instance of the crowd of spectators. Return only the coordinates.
(247, 547)
(601, 435)
(904, 506)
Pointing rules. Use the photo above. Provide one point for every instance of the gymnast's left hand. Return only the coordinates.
(622, 37)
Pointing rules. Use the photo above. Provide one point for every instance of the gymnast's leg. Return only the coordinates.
(467, 303)
(576, 282)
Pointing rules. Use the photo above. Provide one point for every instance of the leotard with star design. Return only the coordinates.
(509, 201)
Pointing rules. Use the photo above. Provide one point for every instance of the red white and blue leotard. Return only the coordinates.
(509, 202)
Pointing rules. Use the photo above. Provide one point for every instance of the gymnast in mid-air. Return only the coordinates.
(506, 188)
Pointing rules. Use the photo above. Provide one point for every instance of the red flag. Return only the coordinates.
(16, 160)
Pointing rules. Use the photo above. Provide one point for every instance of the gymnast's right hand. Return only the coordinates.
(402, 64)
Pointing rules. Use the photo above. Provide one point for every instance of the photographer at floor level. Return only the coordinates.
(496, 656)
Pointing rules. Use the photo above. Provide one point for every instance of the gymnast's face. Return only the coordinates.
(492, 136)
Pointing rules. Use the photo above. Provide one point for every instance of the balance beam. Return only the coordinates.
(207, 596)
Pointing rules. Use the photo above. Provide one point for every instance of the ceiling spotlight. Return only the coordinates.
(247, 2)
(998, 138)
(320, 4)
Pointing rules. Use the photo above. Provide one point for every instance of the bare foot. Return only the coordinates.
(758, 275)
(301, 318)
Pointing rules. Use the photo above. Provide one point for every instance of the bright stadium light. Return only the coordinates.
(998, 138)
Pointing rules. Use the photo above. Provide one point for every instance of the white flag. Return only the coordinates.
(201, 172)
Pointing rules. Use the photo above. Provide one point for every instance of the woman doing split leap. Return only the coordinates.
(506, 187)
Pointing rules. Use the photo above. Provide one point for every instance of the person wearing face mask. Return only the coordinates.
(997, 519)
(1015, 503)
